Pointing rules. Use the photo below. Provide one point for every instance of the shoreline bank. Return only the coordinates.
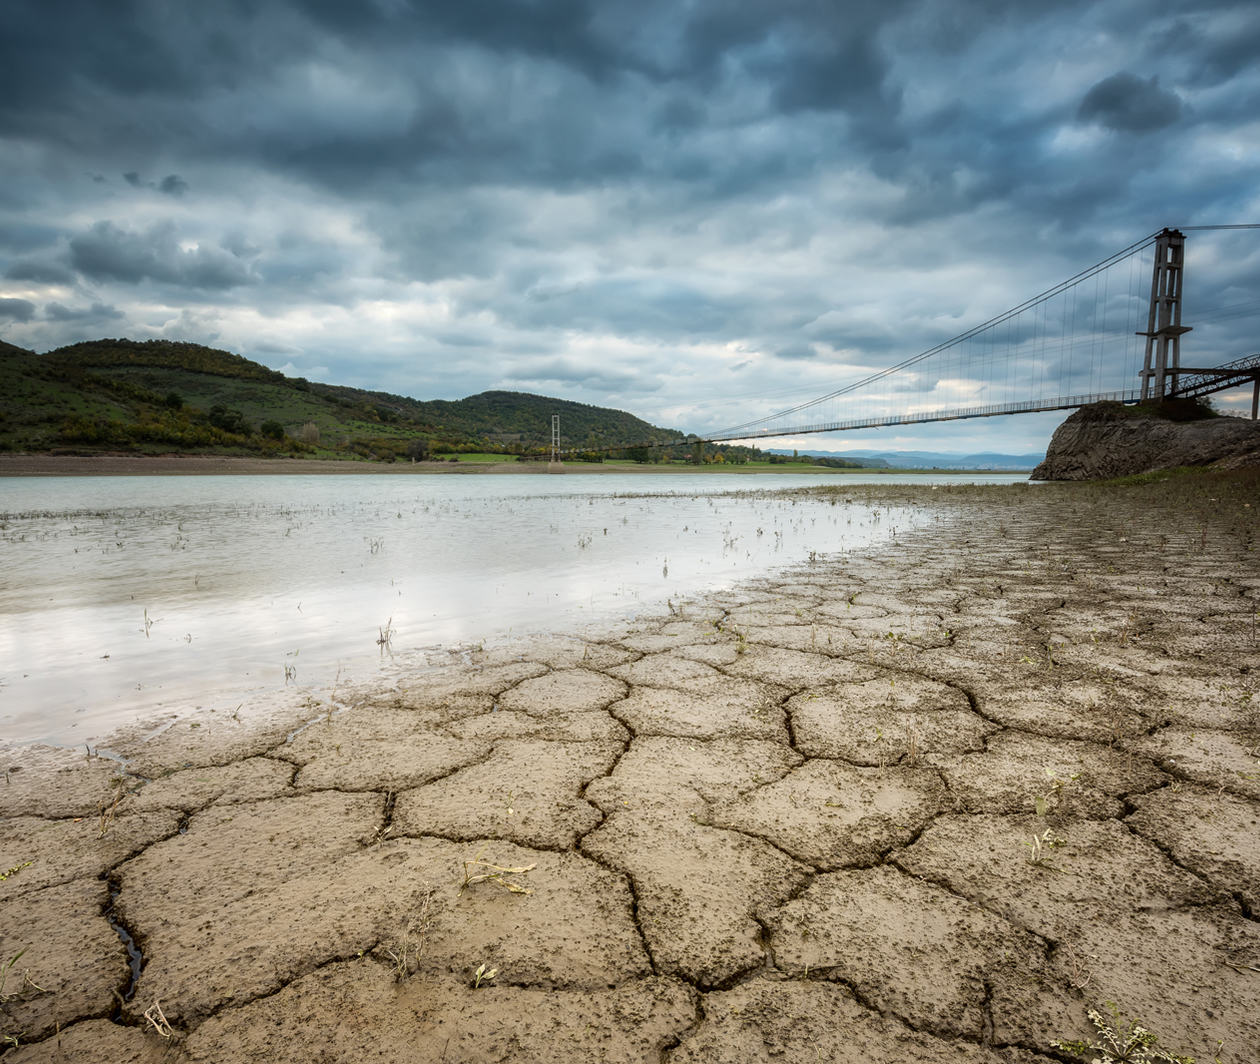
(927, 802)
(38, 465)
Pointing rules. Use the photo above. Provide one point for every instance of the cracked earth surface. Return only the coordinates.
(927, 803)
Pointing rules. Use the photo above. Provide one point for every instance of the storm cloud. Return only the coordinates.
(695, 212)
(107, 252)
(1125, 101)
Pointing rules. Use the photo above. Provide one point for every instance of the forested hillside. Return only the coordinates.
(161, 396)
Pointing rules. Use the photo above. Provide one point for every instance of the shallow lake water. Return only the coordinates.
(120, 596)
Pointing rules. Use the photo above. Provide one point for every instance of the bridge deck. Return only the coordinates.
(1031, 406)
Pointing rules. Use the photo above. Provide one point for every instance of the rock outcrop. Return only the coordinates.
(1104, 440)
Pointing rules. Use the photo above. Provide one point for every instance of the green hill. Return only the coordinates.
(158, 396)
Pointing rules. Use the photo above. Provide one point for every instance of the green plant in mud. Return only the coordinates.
(483, 975)
(1118, 1043)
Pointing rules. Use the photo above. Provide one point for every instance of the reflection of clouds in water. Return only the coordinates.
(242, 576)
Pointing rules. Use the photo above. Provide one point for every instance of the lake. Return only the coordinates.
(120, 596)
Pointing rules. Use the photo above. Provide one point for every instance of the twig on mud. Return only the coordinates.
(405, 954)
(158, 1021)
(1079, 978)
(109, 811)
(497, 874)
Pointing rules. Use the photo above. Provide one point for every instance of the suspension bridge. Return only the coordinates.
(1111, 332)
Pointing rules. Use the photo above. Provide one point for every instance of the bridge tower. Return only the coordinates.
(1162, 366)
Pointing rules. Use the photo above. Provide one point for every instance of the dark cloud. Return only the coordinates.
(41, 272)
(1130, 104)
(170, 185)
(17, 309)
(107, 252)
(96, 312)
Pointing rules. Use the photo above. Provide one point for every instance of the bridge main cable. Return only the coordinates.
(1140, 245)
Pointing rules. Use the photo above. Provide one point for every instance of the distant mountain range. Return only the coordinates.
(927, 459)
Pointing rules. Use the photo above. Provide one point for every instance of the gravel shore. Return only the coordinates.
(927, 803)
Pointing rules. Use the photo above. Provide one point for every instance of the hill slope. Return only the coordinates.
(161, 395)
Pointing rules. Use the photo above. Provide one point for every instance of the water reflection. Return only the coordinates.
(123, 595)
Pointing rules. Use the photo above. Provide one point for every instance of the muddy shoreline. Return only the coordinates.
(930, 802)
(122, 465)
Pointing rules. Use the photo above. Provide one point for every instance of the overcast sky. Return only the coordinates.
(694, 210)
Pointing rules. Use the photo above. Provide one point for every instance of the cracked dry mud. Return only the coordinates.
(792, 820)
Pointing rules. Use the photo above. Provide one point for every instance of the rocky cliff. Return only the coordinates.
(1106, 440)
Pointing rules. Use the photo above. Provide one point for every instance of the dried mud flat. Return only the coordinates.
(925, 804)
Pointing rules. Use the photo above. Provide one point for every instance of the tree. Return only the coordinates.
(417, 449)
(273, 430)
(228, 420)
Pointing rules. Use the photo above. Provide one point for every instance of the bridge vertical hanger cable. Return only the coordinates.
(1033, 303)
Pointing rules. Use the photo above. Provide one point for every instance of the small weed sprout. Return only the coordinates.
(483, 975)
(27, 981)
(912, 747)
(387, 634)
(1128, 1044)
(1051, 799)
(1039, 847)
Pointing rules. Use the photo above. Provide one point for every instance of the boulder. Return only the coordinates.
(1106, 440)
